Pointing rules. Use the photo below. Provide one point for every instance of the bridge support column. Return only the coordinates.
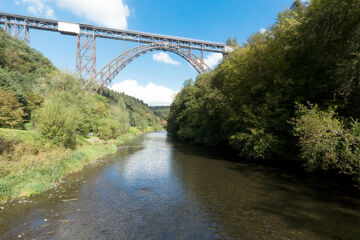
(17, 29)
(86, 55)
(202, 57)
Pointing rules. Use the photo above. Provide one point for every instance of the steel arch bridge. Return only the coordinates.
(18, 27)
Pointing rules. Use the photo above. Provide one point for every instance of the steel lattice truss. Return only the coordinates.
(86, 56)
(18, 26)
(110, 71)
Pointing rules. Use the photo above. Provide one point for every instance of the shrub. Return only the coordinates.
(57, 122)
(324, 141)
(11, 111)
(255, 144)
(33, 102)
(91, 109)
(5, 145)
(108, 128)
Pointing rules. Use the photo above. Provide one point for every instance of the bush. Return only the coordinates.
(324, 141)
(108, 128)
(57, 121)
(5, 145)
(91, 110)
(11, 111)
(255, 144)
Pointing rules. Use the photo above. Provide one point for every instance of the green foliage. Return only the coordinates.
(122, 116)
(108, 128)
(255, 144)
(33, 102)
(34, 80)
(17, 56)
(19, 142)
(197, 112)
(34, 165)
(232, 42)
(324, 141)
(59, 111)
(91, 109)
(138, 113)
(21, 70)
(311, 53)
(11, 111)
(5, 145)
(106, 115)
(161, 111)
(57, 121)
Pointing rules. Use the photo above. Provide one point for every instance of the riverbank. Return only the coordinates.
(158, 187)
(29, 164)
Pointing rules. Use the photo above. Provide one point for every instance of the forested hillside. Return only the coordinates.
(291, 92)
(34, 94)
(161, 111)
(53, 124)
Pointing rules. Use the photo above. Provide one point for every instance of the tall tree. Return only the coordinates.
(232, 42)
(11, 111)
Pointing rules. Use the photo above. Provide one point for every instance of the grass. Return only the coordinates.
(30, 165)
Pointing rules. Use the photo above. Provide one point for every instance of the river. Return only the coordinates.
(153, 188)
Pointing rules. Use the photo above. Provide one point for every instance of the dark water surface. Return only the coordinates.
(156, 189)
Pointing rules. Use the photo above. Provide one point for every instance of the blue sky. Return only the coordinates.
(156, 76)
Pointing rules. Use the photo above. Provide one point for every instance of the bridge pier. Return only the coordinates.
(202, 56)
(86, 55)
(17, 29)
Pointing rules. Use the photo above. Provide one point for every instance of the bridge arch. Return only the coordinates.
(112, 69)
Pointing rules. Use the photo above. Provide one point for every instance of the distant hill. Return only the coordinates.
(161, 111)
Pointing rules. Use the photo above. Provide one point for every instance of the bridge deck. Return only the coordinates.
(103, 32)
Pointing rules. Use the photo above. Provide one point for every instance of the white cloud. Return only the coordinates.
(33, 9)
(263, 30)
(165, 58)
(213, 59)
(49, 12)
(152, 94)
(110, 13)
(38, 7)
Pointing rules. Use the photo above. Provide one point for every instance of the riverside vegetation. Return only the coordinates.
(52, 124)
(289, 93)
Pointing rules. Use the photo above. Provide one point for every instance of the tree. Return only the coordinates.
(33, 102)
(57, 120)
(311, 53)
(298, 6)
(108, 128)
(11, 111)
(325, 143)
(232, 42)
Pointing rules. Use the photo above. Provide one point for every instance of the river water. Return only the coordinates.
(154, 188)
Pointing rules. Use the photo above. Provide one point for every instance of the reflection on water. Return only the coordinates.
(156, 189)
(151, 164)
